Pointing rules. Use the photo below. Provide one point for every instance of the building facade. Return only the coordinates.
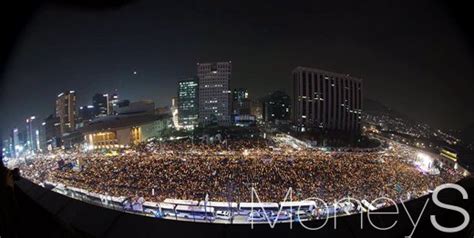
(19, 142)
(113, 102)
(7, 148)
(101, 104)
(240, 102)
(214, 93)
(31, 137)
(16, 145)
(325, 100)
(121, 131)
(66, 111)
(85, 115)
(52, 132)
(188, 106)
(276, 107)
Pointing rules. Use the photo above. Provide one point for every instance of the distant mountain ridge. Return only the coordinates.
(374, 107)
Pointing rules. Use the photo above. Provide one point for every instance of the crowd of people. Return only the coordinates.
(227, 171)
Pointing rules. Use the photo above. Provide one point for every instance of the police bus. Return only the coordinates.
(195, 212)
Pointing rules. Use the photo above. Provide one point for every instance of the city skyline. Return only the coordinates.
(105, 59)
(90, 100)
(228, 118)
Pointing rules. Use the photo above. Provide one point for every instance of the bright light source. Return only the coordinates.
(423, 156)
(89, 147)
(425, 162)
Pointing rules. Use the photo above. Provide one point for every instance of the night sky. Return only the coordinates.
(413, 56)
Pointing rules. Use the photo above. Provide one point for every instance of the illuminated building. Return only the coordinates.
(113, 102)
(101, 104)
(31, 136)
(42, 137)
(19, 141)
(449, 157)
(326, 101)
(124, 130)
(105, 103)
(7, 148)
(276, 107)
(52, 132)
(188, 108)
(244, 120)
(37, 140)
(66, 111)
(85, 115)
(214, 93)
(240, 102)
(15, 143)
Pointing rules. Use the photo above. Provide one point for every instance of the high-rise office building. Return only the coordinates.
(101, 104)
(214, 93)
(66, 111)
(52, 132)
(42, 137)
(30, 134)
(15, 143)
(7, 148)
(188, 108)
(37, 140)
(105, 103)
(19, 141)
(276, 107)
(113, 102)
(85, 115)
(240, 102)
(326, 101)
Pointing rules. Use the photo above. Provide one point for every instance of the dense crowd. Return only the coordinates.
(227, 171)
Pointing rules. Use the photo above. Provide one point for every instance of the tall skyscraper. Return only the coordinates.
(101, 104)
(30, 134)
(66, 111)
(15, 143)
(37, 140)
(214, 93)
(188, 108)
(240, 102)
(7, 148)
(52, 132)
(42, 137)
(85, 115)
(113, 102)
(326, 101)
